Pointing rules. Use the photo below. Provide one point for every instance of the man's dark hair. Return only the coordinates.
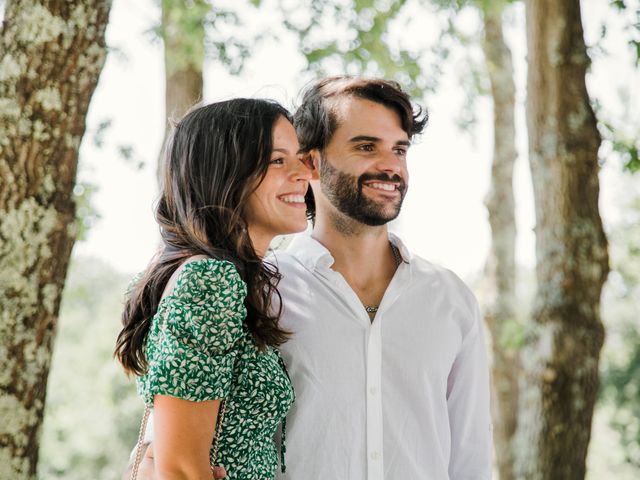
(316, 119)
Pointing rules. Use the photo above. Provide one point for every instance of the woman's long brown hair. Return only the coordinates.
(215, 158)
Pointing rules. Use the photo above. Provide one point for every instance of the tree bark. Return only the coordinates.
(51, 55)
(183, 35)
(561, 361)
(500, 311)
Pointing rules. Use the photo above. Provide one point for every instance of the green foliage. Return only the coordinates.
(199, 29)
(182, 29)
(128, 154)
(364, 47)
(512, 337)
(99, 138)
(92, 412)
(482, 5)
(631, 11)
(621, 136)
(622, 381)
(100, 131)
(86, 214)
(621, 311)
(83, 191)
(472, 70)
(624, 144)
(617, 134)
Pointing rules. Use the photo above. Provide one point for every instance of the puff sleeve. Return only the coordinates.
(193, 340)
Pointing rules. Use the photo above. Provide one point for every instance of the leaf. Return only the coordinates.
(100, 131)
(619, 4)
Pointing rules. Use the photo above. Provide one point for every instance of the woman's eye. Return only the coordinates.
(277, 161)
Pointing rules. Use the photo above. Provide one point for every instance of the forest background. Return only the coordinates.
(439, 50)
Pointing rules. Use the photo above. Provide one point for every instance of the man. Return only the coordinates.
(386, 355)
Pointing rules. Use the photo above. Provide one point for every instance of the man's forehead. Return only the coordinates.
(365, 117)
(349, 105)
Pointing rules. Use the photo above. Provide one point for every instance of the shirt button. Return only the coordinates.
(373, 390)
(375, 455)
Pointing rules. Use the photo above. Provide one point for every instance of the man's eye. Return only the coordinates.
(366, 147)
(401, 151)
(277, 161)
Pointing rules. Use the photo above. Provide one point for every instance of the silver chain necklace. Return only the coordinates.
(398, 259)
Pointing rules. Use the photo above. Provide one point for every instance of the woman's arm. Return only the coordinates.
(191, 362)
(184, 432)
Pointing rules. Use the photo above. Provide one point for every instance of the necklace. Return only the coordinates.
(396, 255)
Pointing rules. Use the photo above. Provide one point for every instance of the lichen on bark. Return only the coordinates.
(52, 53)
(500, 271)
(560, 381)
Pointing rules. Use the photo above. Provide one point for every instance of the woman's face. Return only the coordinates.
(277, 206)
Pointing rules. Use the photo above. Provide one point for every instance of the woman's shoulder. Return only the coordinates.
(205, 309)
(200, 278)
(196, 333)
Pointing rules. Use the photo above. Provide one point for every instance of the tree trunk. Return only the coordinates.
(561, 362)
(51, 55)
(500, 311)
(183, 35)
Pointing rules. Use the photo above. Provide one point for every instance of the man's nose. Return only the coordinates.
(391, 163)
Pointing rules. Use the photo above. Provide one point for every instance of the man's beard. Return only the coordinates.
(344, 191)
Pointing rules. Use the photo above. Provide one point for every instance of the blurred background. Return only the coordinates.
(165, 55)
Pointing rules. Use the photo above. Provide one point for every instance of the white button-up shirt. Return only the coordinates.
(405, 397)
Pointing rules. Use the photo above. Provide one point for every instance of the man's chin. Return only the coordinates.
(377, 219)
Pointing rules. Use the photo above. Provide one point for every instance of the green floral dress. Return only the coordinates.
(199, 348)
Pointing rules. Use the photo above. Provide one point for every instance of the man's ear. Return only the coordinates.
(313, 159)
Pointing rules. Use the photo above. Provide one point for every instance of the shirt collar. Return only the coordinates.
(402, 248)
(313, 254)
(309, 251)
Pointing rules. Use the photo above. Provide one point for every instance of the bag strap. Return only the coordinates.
(214, 448)
(143, 428)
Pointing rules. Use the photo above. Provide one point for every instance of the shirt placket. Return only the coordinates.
(375, 464)
(374, 428)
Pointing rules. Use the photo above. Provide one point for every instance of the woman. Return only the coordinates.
(198, 325)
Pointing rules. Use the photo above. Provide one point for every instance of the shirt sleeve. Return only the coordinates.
(193, 340)
(468, 406)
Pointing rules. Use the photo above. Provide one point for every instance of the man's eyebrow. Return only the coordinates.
(364, 138)
(367, 138)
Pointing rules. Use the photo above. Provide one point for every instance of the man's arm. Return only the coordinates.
(145, 470)
(468, 405)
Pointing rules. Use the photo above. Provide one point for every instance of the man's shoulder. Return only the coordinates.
(422, 267)
(440, 278)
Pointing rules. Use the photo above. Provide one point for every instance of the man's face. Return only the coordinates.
(363, 172)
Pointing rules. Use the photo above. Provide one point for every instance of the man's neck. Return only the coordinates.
(362, 255)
